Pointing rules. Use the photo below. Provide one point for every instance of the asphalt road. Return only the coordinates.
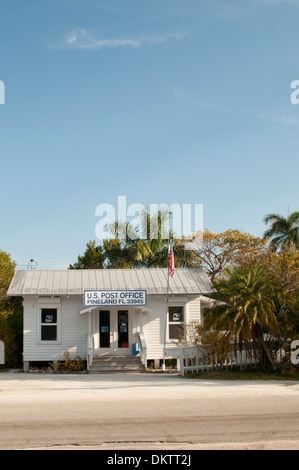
(145, 411)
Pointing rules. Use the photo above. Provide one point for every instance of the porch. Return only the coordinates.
(115, 339)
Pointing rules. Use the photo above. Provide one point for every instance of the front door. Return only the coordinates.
(123, 329)
(104, 329)
(114, 337)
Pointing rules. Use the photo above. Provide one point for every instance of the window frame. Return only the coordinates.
(53, 304)
(181, 323)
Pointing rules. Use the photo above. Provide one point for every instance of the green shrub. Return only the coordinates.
(69, 365)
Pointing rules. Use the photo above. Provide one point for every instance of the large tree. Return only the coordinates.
(92, 258)
(283, 232)
(139, 249)
(245, 305)
(284, 267)
(216, 251)
(7, 268)
(11, 312)
(258, 301)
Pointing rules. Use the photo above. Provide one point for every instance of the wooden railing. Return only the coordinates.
(90, 350)
(142, 347)
(193, 359)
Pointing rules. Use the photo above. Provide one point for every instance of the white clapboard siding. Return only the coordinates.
(193, 310)
(72, 330)
(154, 322)
(193, 317)
(73, 327)
(153, 327)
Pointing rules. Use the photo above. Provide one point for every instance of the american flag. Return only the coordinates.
(171, 266)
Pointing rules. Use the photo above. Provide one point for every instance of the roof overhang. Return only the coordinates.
(186, 281)
(87, 310)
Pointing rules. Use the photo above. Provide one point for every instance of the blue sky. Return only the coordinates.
(163, 101)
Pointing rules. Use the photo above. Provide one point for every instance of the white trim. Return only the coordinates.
(48, 300)
(178, 304)
(88, 310)
(55, 305)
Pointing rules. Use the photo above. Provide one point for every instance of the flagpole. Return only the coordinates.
(166, 314)
(170, 265)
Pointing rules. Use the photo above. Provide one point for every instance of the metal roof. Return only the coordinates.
(70, 282)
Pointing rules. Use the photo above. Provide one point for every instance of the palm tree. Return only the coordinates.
(139, 248)
(283, 232)
(152, 251)
(245, 306)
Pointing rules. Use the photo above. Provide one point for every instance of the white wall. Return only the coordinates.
(72, 329)
(154, 322)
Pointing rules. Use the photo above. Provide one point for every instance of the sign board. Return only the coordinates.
(117, 298)
(2, 353)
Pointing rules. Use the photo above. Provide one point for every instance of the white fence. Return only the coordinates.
(192, 359)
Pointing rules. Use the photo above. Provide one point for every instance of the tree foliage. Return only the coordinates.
(216, 251)
(283, 232)
(7, 268)
(134, 251)
(213, 345)
(245, 299)
(92, 258)
(257, 290)
(259, 305)
(10, 314)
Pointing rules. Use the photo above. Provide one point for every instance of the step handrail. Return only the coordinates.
(90, 350)
(142, 347)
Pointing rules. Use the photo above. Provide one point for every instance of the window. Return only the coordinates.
(175, 322)
(49, 324)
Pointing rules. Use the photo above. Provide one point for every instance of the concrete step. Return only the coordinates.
(116, 360)
(106, 364)
(109, 370)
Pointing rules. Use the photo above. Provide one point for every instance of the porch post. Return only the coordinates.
(89, 336)
(141, 321)
(89, 322)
